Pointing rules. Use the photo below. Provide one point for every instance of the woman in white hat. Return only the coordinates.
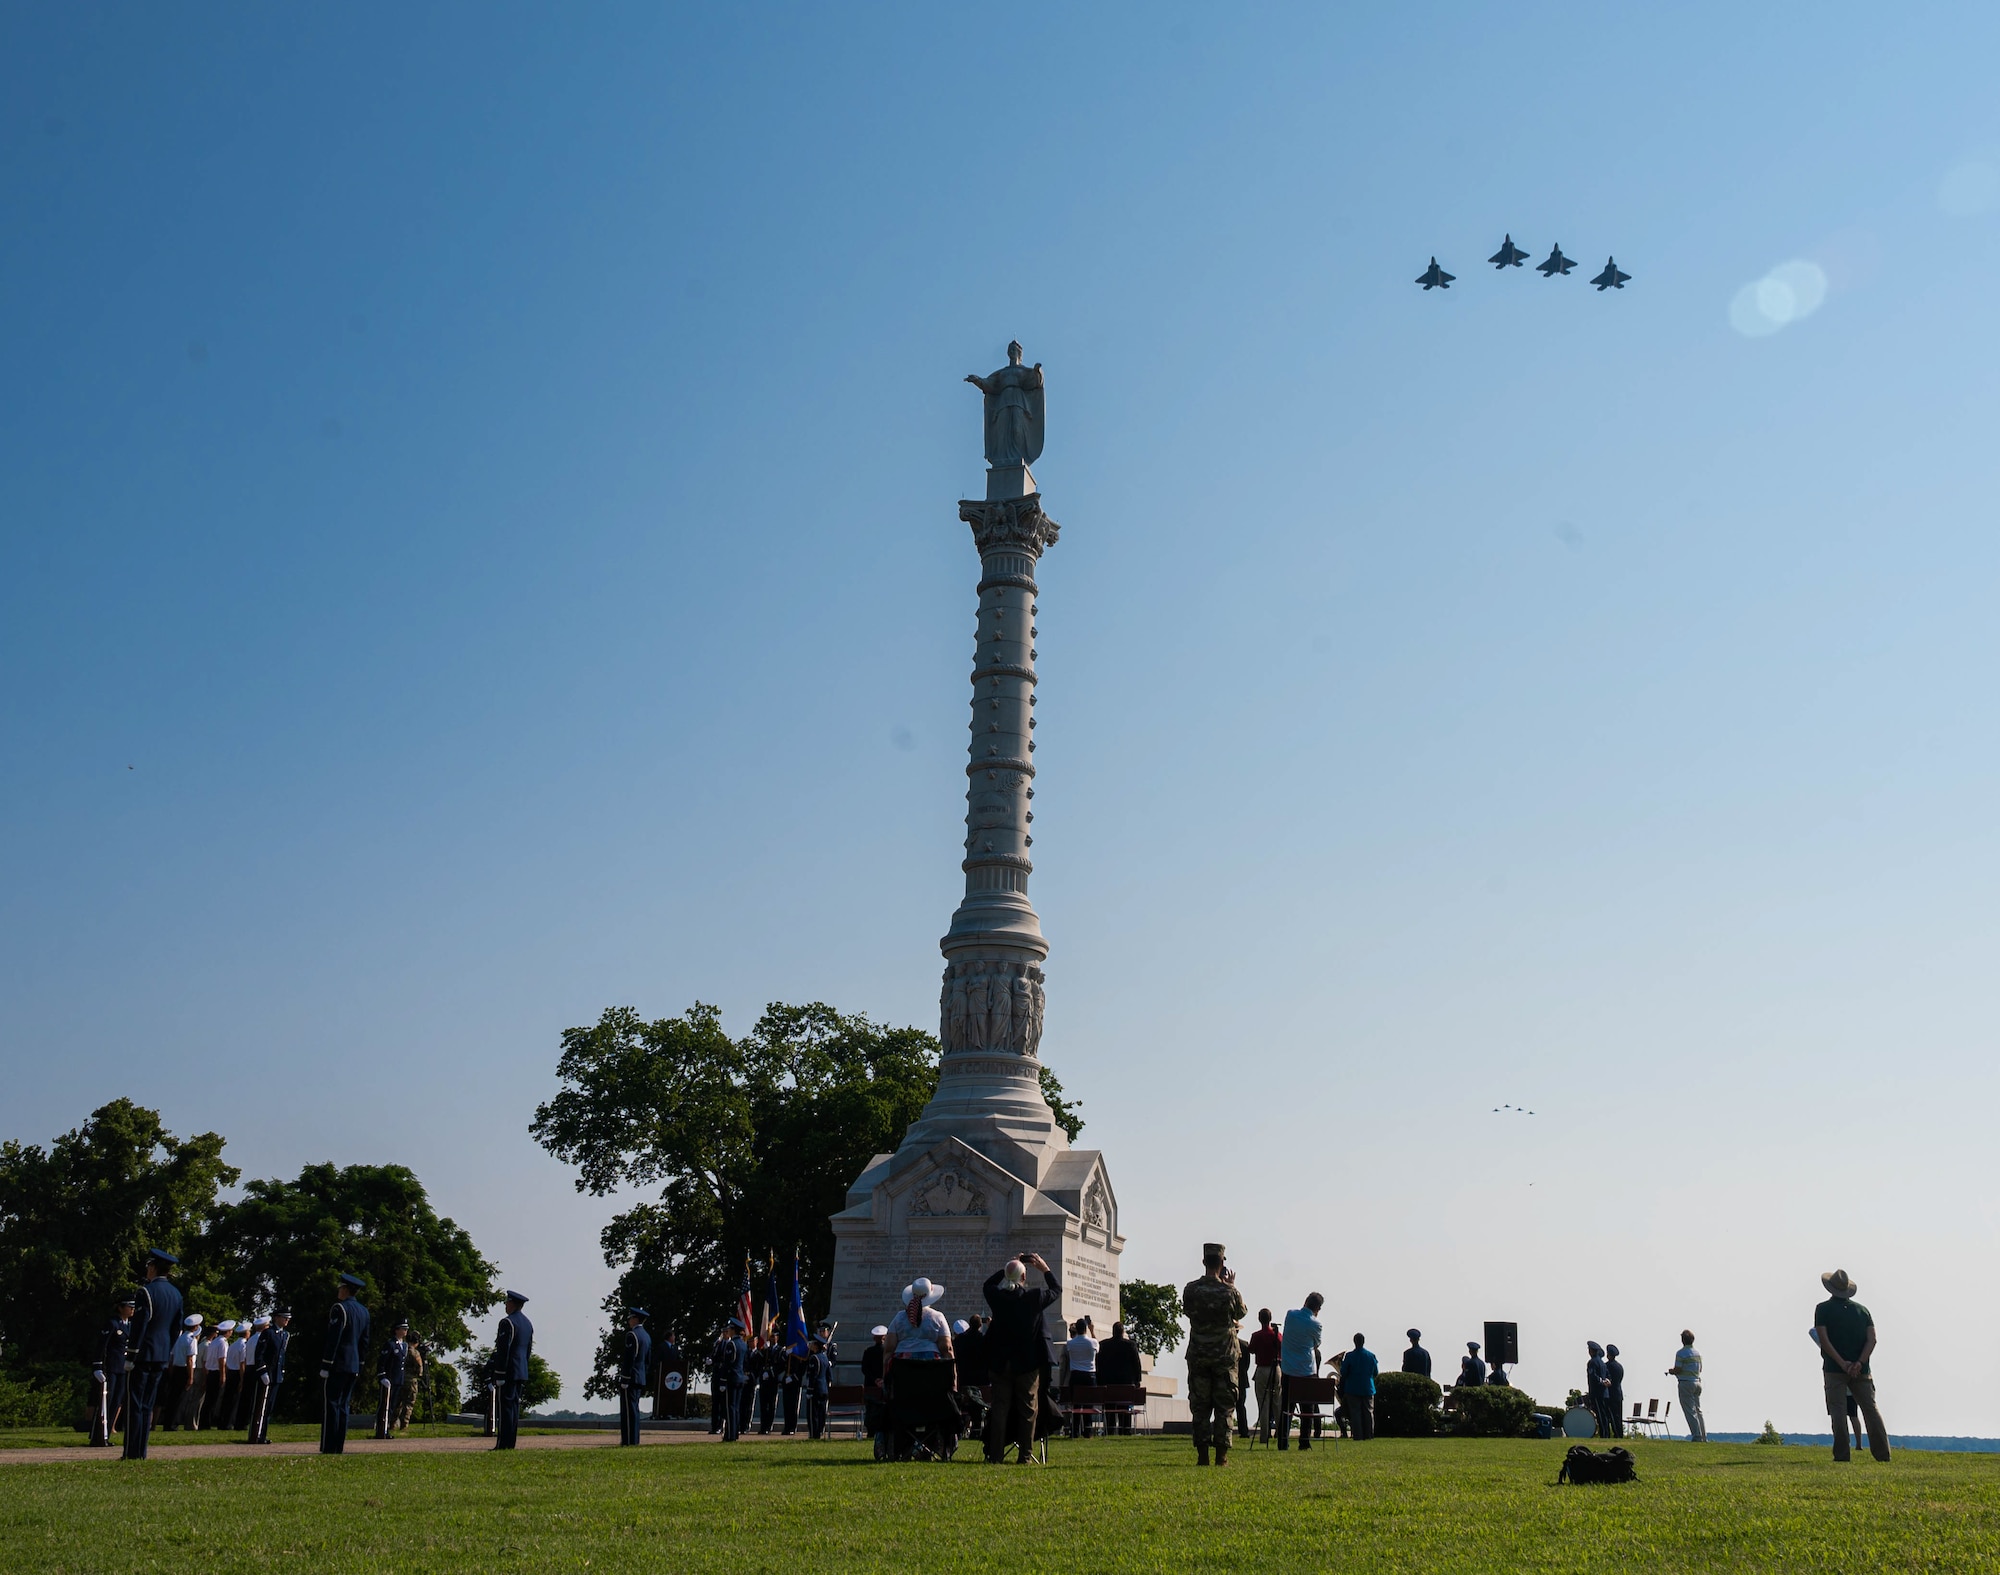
(918, 1332)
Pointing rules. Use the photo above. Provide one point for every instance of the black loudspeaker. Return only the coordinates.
(1503, 1343)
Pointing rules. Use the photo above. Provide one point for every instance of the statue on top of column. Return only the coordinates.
(1013, 410)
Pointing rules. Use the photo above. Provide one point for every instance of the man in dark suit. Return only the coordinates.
(392, 1374)
(1118, 1366)
(513, 1344)
(1017, 1353)
(340, 1351)
(634, 1364)
(107, 1373)
(269, 1374)
(156, 1323)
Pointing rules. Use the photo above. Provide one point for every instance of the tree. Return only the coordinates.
(76, 1220)
(287, 1243)
(1151, 1313)
(544, 1382)
(752, 1144)
(1069, 1113)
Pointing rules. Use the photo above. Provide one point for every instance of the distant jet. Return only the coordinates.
(1509, 255)
(1611, 278)
(1435, 278)
(1556, 263)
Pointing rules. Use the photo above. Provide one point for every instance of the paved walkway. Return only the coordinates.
(592, 1438)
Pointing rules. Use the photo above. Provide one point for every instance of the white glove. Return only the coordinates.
(326, 1372)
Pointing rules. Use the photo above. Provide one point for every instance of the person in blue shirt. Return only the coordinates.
(1357, 1388)
(513, 1344)
(633, 1364)
(156, 1324)
(340, 1351)
(1298, 1357)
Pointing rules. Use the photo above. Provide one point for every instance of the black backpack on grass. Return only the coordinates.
(1584, 1464)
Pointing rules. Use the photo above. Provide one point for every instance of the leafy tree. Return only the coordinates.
(287, 1243)
(76, 1220)
(1151, 1313)
(752, 1144)
(1069, 1113)
(544, 1382)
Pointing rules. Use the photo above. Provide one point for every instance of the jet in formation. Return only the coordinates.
(1611, 278)
(1554, 264)
(1509, 255)
(1435, 278)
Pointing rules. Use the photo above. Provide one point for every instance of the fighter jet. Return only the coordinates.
(1509, 255)
(1435, 278)
(1555, 264)
(1611, 278)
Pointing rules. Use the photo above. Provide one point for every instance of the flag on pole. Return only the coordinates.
(744, 1308)
(795, 1322)
(774, 1310)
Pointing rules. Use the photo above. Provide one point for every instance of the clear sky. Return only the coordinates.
(477, 498)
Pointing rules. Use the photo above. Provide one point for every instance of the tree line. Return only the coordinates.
(77, 1217)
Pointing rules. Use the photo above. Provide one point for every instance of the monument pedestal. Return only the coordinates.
(985, 1174)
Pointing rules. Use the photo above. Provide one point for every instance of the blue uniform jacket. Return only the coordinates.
(346, 1337)
(156, 1323)
(111, 1346)
(633, 1365)
(271, 1353)
(394, 1361)
(512, 1346)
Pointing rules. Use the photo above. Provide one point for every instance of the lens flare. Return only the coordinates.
(1787, 294)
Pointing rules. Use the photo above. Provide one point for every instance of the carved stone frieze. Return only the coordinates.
(991, 1006)
(949, 1193)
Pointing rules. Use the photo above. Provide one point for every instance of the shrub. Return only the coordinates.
(45, 1395)
(1406, 1405)
(1770, 1435)
(1490, 1411)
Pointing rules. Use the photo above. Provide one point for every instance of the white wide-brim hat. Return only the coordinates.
(931, 1293)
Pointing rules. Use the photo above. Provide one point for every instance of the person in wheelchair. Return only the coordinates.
(919, 1373)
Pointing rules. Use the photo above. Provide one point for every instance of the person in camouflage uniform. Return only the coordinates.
(1214, 1308)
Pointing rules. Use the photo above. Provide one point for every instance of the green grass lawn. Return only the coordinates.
(1136, 1504)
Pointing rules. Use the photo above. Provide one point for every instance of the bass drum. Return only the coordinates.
(1578, 1422)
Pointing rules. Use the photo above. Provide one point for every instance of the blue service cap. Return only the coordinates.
(736, 1323)
(515, 1296)
(161, 1255)
(354, 1280)
(637, 1312)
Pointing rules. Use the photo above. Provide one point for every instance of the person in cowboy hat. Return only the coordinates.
(918, 1332)
(1846, 1333)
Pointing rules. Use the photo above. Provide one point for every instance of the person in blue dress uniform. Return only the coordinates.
(340, 1361)
(392, 1373)
(269, 1374)
(107, 1373)
(156, 1324)
(634, 1363)
(513, 1344)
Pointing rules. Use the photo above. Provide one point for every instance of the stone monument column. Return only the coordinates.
(985, 1172)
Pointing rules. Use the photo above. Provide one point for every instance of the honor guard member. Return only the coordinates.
(156, 1319)
(670, 1376)
(392, 1374)
(634, 1361)
(796, 1364)
(107, 1373)
(819, 1388)
(340, 1351)
(721, 1362)
(214, 1374)
(770, 1375)
(237, 1412)
(1416, 1359)
(513, 1344)
(268, 1373)
(1214, 1310)
(732, 1371)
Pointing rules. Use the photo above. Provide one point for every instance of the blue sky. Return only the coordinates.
(477, 503)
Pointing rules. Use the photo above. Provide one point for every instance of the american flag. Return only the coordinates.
(744, 1307)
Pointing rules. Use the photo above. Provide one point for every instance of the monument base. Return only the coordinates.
(941, 1208)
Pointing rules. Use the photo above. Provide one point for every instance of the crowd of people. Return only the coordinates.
(928, 1382)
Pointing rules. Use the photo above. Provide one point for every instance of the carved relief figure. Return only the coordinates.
(948, 1193)
(991, 1006)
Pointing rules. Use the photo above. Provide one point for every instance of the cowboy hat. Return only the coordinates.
(922, 1288)
(1838, 1284)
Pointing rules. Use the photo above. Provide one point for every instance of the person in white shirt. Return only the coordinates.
(214, 1375)
(243, 1378)
(232, 1388)
(1687, 1370)
(918, 1332)
(1082, 1353)
(182, 1398)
